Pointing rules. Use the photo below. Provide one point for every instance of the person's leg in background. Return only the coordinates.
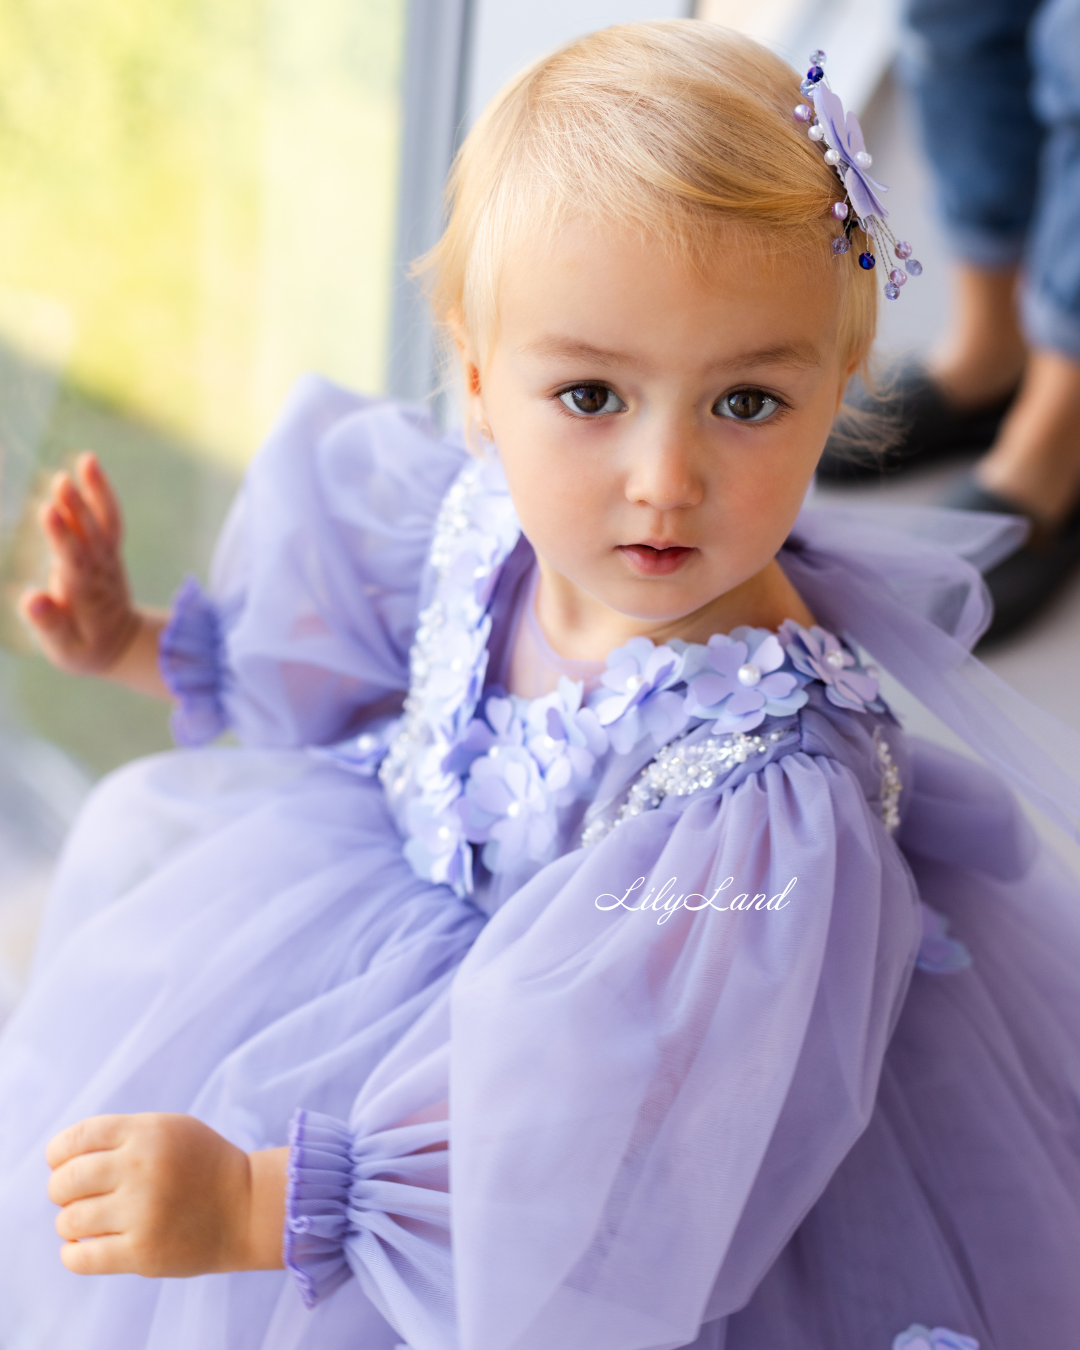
(1035, 461)
(968, 66)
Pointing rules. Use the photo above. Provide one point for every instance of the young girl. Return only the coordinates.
(576, 954)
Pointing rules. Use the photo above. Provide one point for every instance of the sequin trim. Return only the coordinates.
(680, 769)
(891, 786)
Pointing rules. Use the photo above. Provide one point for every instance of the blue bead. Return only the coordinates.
(867, 261)
(914, 267)
(814, 74)
(841, 245)
(892, 291)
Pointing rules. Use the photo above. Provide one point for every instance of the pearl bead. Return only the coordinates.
(863, 158)
(444, 832)
(365, 744)
(832, 157)
(841, 245)
(817, 58)
(835, 658)
(914, 267)
(903, 249)
(867, 261)
(840, 210)
(891, 291)
(748, 675)
(514, 810)
(457, 665)
(803, 112)
(634, 683)
(816, 133)
(897, 277)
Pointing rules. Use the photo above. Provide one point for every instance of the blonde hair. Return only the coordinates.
(682, 130)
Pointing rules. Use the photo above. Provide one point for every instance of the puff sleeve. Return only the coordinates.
(643, 1102)
(314, 596)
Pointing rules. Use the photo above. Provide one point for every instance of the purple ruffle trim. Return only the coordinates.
(192, 666)
(316, 1204)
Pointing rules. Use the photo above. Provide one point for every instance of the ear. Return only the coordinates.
(470, 370)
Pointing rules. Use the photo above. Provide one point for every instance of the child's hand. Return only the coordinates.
(164, 1195)
(84, 619)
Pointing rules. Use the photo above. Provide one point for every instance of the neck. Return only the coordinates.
(580, 628)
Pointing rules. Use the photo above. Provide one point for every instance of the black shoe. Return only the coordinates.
(921, 425)
(1027, 579)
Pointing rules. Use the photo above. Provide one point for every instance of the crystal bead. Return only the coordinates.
(914, 267)
(841, 245)
(867, 261)
(891, 291)
(803, 112)
(816, 133)
(807, 87)
(897, 277)
(863, 158)
(748, 676)
(840, 210)
(817, 58)
(832, 157)
(814, 74)
(903, 249)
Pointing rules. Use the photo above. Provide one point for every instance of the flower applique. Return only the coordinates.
(636, 698)
(918, 1337)
(741, 681)
(820, 655)
(844, 134)
(566, 740)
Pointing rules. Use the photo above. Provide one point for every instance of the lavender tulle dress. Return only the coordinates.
(750, 1023)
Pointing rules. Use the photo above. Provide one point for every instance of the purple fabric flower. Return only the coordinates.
(918, 1337)
(742, 681)
(507, 808)
(818, 654)
(939, 954)
(565, 739)
(844, 135)
(640, 676)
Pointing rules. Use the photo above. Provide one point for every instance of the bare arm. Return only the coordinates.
(84, 618)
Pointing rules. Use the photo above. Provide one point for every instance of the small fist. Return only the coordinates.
(159, 1195)
(84, 618)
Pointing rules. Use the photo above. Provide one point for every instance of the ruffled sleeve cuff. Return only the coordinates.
(192, 665)
(316, 1204)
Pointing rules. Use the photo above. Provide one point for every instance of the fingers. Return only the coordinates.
(86, 1175)
(69, 499)
(93, 1217)
(86, 1136)
(43, 613)
(100, 497)
(98, 1256)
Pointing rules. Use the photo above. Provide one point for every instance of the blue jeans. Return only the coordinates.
(997, 87)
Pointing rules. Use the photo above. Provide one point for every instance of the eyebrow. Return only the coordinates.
(800, 353)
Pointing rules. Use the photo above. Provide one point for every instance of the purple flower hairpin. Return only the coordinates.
(846, 152)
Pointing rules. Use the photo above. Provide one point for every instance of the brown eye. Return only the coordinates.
(747, 405)
(591, 400)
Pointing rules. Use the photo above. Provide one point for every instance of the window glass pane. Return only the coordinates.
(196, 204)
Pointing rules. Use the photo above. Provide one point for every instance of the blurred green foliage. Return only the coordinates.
(200, 193)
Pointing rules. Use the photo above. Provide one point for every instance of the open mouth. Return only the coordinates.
(655, 562)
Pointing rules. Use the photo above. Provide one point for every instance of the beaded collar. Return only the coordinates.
(463, 771)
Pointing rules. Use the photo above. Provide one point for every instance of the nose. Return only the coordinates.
(663, 471)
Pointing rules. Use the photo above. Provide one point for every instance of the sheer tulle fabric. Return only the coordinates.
(743, 1130)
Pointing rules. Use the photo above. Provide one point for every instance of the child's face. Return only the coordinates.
(658, 429)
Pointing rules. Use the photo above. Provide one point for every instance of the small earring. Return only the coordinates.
(485, 431)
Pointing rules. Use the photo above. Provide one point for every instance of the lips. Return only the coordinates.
(652, 561)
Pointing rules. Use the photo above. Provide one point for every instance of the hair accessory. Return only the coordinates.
(846, 153)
